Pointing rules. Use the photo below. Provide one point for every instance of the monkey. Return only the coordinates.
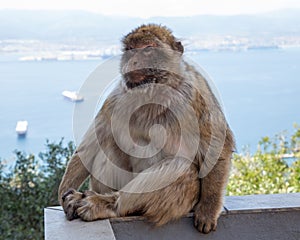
(160, 145)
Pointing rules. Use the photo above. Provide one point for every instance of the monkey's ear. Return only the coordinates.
(178, 46)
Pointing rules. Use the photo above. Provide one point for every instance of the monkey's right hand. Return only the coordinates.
(70, 203)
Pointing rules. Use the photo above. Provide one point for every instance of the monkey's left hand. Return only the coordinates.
(205, 220)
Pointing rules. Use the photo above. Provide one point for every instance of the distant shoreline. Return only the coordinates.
(92, 55)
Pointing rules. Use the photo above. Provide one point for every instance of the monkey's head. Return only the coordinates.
(150, 55)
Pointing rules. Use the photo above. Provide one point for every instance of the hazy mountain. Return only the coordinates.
(63, 25)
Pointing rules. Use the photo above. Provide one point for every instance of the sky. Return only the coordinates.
(145, 9)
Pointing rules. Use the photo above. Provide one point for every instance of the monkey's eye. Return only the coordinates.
(128, 48)
(147, 50)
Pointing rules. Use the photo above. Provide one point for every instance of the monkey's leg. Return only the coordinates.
(164, 192)
(210, 204)
(74, 176)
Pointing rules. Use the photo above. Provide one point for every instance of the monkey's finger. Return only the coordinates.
(88, 193)
(208, 227)
(70, 191)
(205, 227)
(71, 213)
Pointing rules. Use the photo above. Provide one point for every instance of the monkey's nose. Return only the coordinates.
(135, 63)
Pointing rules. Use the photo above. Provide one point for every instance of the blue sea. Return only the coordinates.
(260, 91)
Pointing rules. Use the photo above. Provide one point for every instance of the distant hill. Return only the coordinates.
(64, 25)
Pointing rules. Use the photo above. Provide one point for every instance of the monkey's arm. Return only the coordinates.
(74, 176)
(91, 158)
(214, 155)
(80, 165)
(78, 168)
(214, 166)
(210, 204)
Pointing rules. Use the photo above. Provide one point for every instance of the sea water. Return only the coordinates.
(259, 89)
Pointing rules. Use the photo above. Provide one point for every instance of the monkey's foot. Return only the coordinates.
(95, 206)
(70, 201)
(204, 220)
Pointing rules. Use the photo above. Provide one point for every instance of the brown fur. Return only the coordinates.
(165, 186)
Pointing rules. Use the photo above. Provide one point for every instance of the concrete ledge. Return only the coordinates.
(58, 228)
(247, 217)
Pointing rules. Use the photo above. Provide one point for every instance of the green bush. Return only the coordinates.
(31, 184)
(267, 171)
(29, 187)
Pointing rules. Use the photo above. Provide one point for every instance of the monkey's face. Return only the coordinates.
(149, 62)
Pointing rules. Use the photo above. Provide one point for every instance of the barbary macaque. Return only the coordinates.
(159, 147)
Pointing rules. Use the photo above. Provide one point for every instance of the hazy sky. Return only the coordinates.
(142, 8)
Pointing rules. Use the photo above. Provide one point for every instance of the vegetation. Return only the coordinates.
(268, 170)
(27, 188)
(31, 184)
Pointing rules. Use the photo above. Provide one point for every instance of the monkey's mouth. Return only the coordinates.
(138, 78)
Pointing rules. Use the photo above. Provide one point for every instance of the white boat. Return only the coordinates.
(21, 127)
(73, 96)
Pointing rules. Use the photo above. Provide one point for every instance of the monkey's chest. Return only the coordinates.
(151, 135)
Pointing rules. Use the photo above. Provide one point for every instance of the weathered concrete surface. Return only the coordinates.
(263, 226)
(57, 227)
(260, 203)
(260, 217)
